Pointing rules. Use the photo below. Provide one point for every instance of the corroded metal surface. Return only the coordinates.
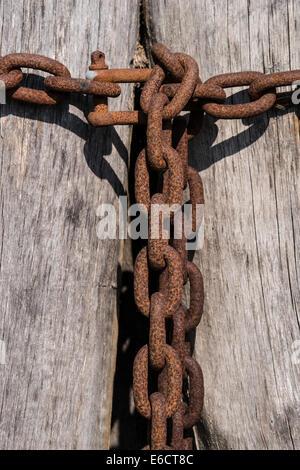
(140, 377)
(76, 85)
(166, 155)
(11, 62)
(235, 111)
(175, 281)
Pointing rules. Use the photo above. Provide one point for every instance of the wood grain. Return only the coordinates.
(250, 258)
(58, 281)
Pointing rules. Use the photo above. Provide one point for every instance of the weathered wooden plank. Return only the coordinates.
(58, 281)
(250, 258)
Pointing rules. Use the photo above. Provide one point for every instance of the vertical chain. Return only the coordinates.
(166, 157)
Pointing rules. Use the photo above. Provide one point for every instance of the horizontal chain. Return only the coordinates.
(166, 155)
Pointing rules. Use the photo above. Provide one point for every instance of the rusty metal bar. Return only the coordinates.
(119, 75)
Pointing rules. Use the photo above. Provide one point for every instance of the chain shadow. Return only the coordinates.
(98, 142)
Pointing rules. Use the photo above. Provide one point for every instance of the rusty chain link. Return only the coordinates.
(172, 86)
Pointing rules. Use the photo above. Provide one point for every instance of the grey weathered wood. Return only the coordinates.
(58, 281)
(250, 258)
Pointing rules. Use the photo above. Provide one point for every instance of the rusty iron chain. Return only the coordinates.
(172, 86)
(167, 155)
(208, 96)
